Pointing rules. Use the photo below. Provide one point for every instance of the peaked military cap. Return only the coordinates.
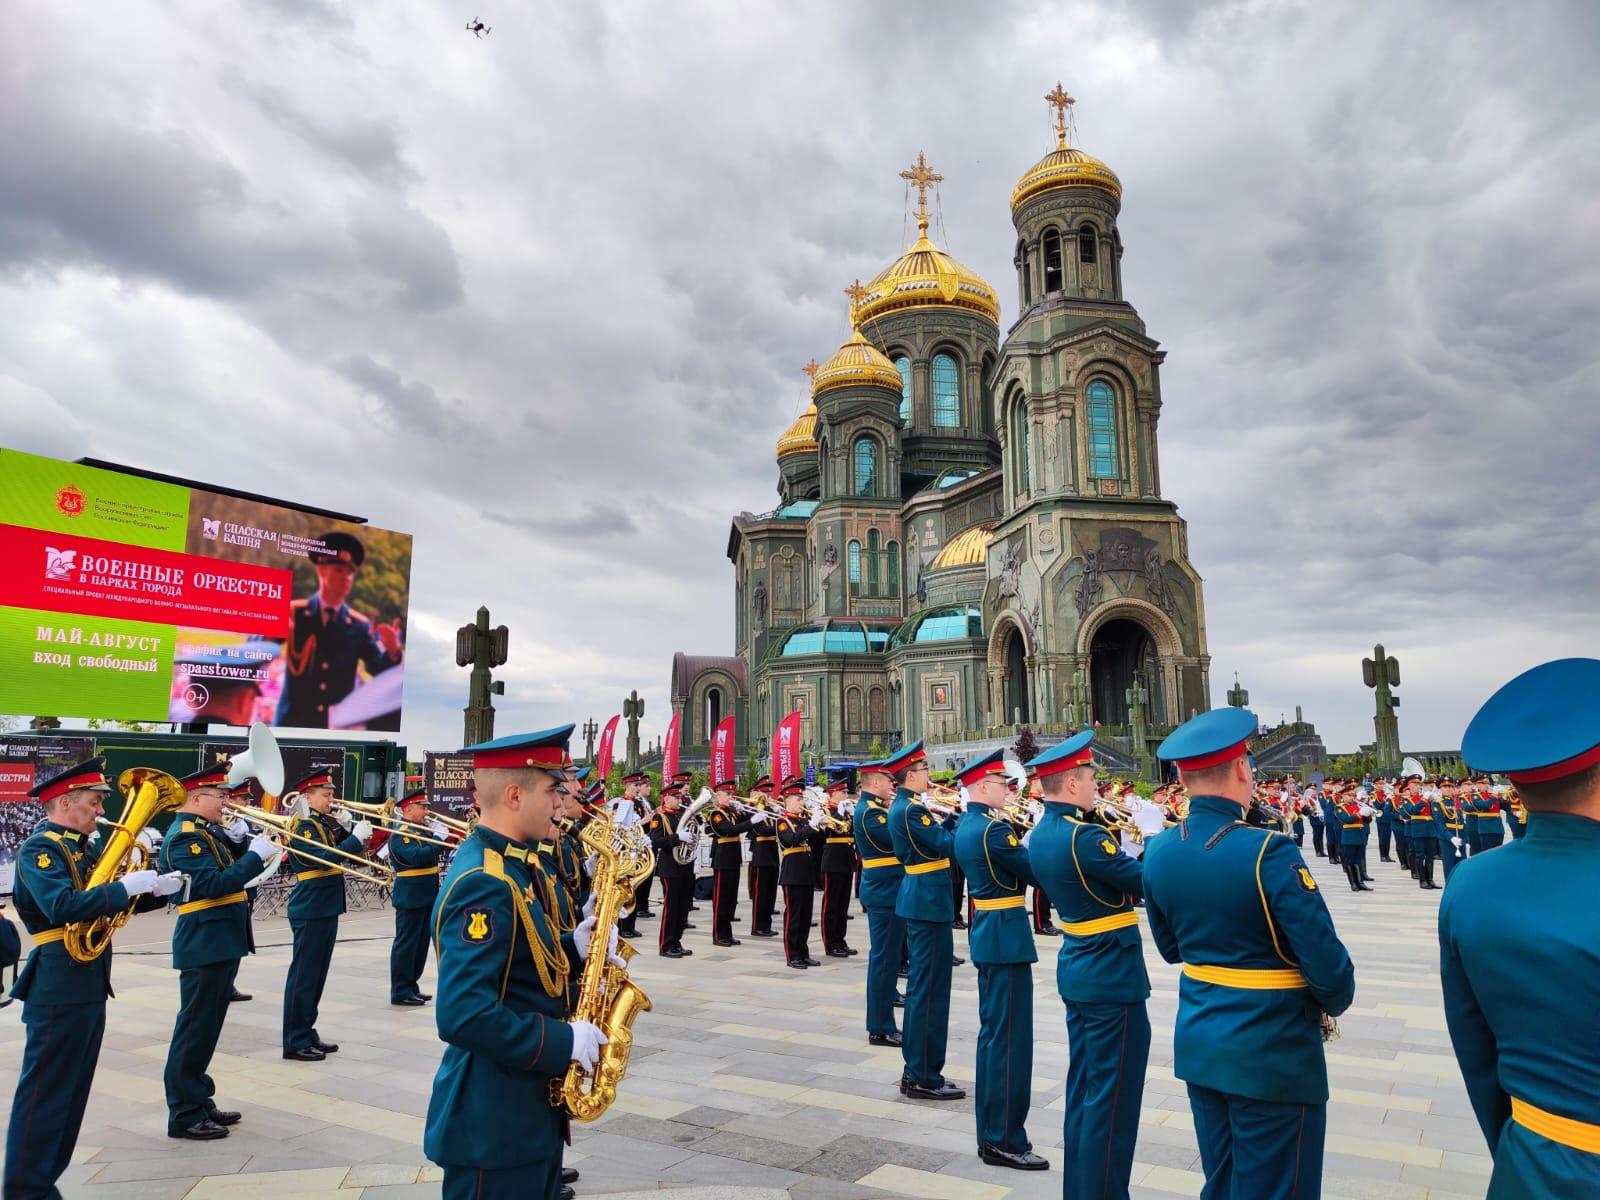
(982, 767)
(793, 786)
(764, 784)
(1210, 739)
(905, 758)
(409, 797)
(90, 774)
(1075, 751)
(546, 750)
(636, 777)
(1543, 725)
(214, 777)
(338, 546)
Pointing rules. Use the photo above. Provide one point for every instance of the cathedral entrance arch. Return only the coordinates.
(1010, 689)
(1124, 640)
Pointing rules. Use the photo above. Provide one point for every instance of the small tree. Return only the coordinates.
(1027, 747)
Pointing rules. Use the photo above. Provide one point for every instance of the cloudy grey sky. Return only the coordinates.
(542, 298)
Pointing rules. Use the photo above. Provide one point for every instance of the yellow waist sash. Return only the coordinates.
(48, 936)
(1580, 1135)
(788, 850)
(888, 860)
(323, 874)
(771, 837)
(999, 903)
(938, 864)
(723, 841)
(413, 871)
(841, 841)
(201, 905)
(1119, 920)
(1252, 979)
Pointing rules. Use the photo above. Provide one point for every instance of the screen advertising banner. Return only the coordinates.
(135, 599)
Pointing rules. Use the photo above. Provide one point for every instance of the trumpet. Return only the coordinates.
(1118, 817)
(384, 816)
(280, 828)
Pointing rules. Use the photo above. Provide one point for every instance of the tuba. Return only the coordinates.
(606, 996)
(684, 853)
(148, 793)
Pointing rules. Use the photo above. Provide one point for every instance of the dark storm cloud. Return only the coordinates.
(543, 298)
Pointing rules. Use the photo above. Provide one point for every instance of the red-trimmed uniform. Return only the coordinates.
(838, 855)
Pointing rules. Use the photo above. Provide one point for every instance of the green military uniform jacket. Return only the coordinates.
(1092, 885)
(52, 866)
(923, 845)
(998, 876)
(214, 916)
(416, 871)
(881, 871)
(319, 885)
(500, 1010)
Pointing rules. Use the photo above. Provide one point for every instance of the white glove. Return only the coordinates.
(588, 906)
(1130, 847)
(263, 847)
(1150, 819)
(817, 818)
(686, 833)
(591, 864)
(342, 817)
(758, 818)
(1026, 838)
(438, 829)
(238, 829)
(584, 934)
(383, 853)
(139, 883)
(966, 800)
(149, 839)
(168, 884)
(1456, 842)
(586, 1042)
(847, 807)
(362, 831)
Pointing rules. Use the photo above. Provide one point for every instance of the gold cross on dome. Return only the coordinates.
(857, 294)
(922, 177)
(811, 369)
(1061, 102)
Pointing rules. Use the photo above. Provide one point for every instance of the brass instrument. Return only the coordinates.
(606, 996)
(1116, 816)
(148, 793)
(280, 827)
(384, 817)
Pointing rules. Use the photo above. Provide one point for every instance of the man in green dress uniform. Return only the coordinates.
(1520, 995)
(1001, 941)
(211, 937)
(63, 1001)
(881, 874)
(503, 974)
(1236, 905)
(1100, 974)
(927, 905)
(315, 906)
(416, 887)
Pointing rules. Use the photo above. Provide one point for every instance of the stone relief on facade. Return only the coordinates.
(1088, 593)
(1010, 579)
(760, 599)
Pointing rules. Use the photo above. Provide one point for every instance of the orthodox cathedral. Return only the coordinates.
(970, 533)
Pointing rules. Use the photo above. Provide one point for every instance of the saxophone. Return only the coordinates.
(606, 996)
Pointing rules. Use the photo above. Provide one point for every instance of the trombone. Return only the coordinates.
(384, 817)
(280, 827)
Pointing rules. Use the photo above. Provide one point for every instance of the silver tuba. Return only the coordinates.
(684, 853)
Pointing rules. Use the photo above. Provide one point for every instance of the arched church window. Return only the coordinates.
(852, 709)
(946, 392)
(854, 556)
(877, 711)
(1024, 265)
(1086, 244)
(866, 466)
(1052, 262)
(1101, 405)
(1019, 424)
(903, 365)
(874, 572)
(713, 710)
(893, 554)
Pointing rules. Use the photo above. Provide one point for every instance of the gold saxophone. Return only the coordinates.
(606, 996)
(148, 793)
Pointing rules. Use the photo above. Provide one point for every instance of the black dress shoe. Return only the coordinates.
(799, 964)
(647, 912)
(204, 1130)
(1026, 1161)
(567, 1193)
(672, 952)
(727, 942)
(409, 1001)
(763, 933)
(239, 997)
(328, 1047)
(811, 962)
(690, 925)
(959, 925)
(1048, 932)
(883, 1039)
(851, 951)
(956, 960)
(425, 996)
(223, 1117)
(305, 1054)
(838, 952)
(569, 1174)
(945, 1091)
(628, 933)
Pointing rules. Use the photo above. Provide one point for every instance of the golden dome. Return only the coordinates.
(926, 277)
(857, 364)
(798, 438)
(968, 548)
(1065, 166)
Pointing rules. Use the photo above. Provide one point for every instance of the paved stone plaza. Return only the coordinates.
(750, 1080)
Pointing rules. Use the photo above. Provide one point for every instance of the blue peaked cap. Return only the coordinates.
(1210, 733)
(1543, 725)
(1069, 748)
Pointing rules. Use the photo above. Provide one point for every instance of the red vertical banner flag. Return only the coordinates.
(723, 767)
(608, 740)
(669, 751)
(786, 749)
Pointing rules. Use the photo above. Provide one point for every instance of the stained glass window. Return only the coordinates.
(1104, 460)
(904, 365)
(946, 392)
(866, 456)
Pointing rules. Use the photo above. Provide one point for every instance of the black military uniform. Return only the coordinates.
(838, 874)
(798, 843)
(326, 645)
(764, 860)
(677, 879)
(727, 829)
(416, 887)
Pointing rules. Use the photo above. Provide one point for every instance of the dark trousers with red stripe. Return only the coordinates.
(835, 908)
(534, 1181)
(797, 900)
(58, 1062)
(675, 896)
(641, 897)
(1041, 909)
(1108, 1048)
(724, 902)
(1258, 1148)
(763, 897)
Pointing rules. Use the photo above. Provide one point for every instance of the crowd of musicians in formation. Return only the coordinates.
(1214, 862)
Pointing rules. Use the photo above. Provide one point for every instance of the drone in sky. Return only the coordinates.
(477, 28)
